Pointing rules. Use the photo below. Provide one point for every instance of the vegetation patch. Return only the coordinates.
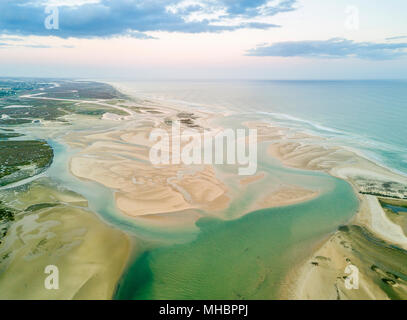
(92, 110)
(23, 159)
(6, 217)
(40, 206)
(83, 90)
(10, 135)
(35, 109)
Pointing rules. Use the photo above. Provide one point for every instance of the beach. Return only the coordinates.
(322, 276)
(155, 191)
(183, 150)
(312, 208)
(59, 230)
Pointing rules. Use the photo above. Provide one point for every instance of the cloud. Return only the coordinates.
(397, 38)
(4, 45)
(332, 48)
(139, 35)
(13, 42)
(106, 18)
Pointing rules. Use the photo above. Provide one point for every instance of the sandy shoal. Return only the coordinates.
(284, 196)
(89, 254)
(322, 275)
(120, 160)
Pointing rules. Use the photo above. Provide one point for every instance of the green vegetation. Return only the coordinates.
(36, 109)
(10, 135)
(40, 206)
(385, 264)
(14, 122)
(29, 110)
(13, 87)
(396, 211)
(48, 110)
(393, 202)
(15, 155)
(83, 90)
(92, 110)
(6, 217)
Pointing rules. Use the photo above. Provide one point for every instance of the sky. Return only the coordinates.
(204, 39)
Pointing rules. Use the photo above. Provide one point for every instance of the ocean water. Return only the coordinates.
(237, 258)
(249, 256)
(246, 258)
(370, 116)
(101, 201)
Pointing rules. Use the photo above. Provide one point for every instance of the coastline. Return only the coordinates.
(53, 226)
(331, 162)
(159, 193)
(176, 197)
(322, 275)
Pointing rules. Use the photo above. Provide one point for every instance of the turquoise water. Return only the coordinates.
(101, 201)
(245, 258)
(367, 115)
(247, 254)
(248, 257)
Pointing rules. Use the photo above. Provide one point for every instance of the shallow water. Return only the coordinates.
(245, 258)
(367, 115)
(393, 208)
(101, 200)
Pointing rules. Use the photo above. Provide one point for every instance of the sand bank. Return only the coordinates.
(286, 195)
(61, 233)
(381, 268)
(371, 235)
(119, 160)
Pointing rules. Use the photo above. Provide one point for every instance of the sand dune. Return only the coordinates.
(119, 160)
